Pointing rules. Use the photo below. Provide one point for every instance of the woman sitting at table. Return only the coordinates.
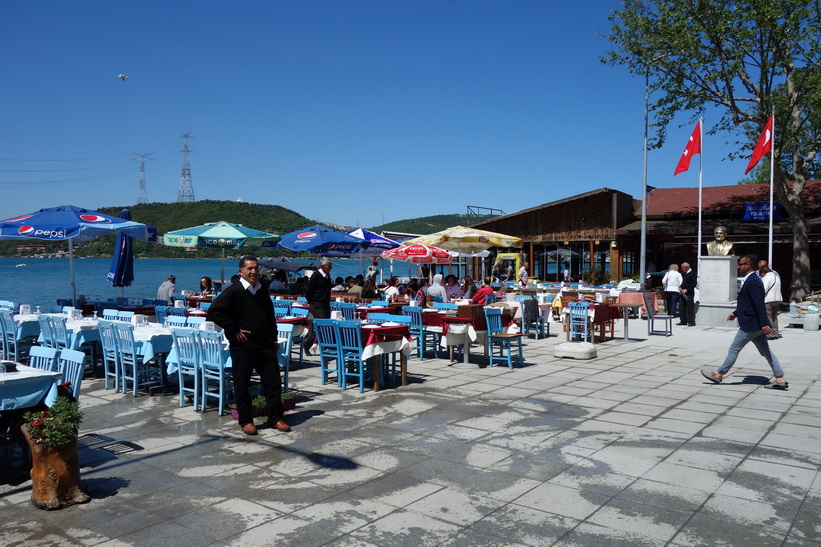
(482, 294)
(206, 288)
(437, 290)
(468, 287)
(391, 291)
(369, 289)
(339, 285)
(452, 288)
(421, 295)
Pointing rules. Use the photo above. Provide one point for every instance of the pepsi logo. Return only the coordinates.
(25, 229)
(94, 218)
(306, 235)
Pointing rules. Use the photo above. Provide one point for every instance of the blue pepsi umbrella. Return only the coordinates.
(69, 222)
(121, 273)
(321, 240)
(376, 244)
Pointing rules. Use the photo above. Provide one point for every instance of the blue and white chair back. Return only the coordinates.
(71, 366)
(187, 344)
(43, 358)
(213, 358)
(285, 337)
(111, 362)
(350, 345)
(176, 321)
(327, 339)
(46, 332)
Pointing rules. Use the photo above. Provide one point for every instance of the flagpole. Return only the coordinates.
(772, 171)
(700, 173)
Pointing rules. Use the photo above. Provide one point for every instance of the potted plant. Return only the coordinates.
(259, 406)
(55, 468)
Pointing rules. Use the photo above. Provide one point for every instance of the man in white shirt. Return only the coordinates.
(523, 274)
(772, 295)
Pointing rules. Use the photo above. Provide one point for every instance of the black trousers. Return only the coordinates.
(319, 311)
(245, 359)
(687, 309)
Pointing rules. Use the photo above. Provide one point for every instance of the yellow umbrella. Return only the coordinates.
(466, 240)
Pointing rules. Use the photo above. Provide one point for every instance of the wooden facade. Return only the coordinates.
(570, 231)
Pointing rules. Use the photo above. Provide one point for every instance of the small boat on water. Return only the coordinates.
(22, 265)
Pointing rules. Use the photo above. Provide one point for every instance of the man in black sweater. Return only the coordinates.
(687, 308)
(318, 295)
(245, 311)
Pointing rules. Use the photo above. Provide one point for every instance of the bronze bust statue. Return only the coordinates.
(720, 247)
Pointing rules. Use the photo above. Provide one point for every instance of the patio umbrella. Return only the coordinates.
(466, 240)
(321, 240)
(377, 244)
(215, 235)
(121, 273)
(419, 254)
(69, 222)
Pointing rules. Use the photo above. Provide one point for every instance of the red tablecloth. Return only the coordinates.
(384, 334)
(435, 319)
(603, 313)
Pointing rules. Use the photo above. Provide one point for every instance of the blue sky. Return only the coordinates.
(350, 112)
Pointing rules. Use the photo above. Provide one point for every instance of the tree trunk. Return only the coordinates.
(792, 200)
(55, 476)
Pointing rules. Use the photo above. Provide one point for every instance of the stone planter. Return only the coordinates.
(55, 476)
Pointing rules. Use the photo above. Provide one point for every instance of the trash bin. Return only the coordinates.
(811, 321)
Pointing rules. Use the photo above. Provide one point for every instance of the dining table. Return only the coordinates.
(27, 387)
(637, 298)
(386, 339)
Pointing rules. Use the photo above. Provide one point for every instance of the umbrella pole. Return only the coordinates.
(71, 272)
(222, 275)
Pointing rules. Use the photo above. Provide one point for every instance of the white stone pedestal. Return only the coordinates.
(717, 282)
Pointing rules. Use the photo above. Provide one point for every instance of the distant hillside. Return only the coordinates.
(427, 225)
(173, 216)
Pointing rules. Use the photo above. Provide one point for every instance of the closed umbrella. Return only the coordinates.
(68, 222)
(466, 240)
(121, 273)
(215, 235)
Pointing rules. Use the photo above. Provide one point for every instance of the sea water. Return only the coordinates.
(41, 281)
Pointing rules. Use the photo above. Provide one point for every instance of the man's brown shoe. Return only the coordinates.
(282, 426)
(249, 429)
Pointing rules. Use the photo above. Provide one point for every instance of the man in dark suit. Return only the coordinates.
(754, 326)
(318, 295)
(687, 306)
(246, 313)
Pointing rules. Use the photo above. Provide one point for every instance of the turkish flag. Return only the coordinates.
(693, 147)
(764, 145)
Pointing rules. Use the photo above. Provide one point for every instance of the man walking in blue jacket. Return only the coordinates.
(754, 326)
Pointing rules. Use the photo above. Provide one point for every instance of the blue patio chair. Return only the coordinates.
(43, 358)
(195, 321)
(420, 333)
(205, 305)
(46, 332)
(302, 300)
(435, 299)
(71, 365)
(282, 308)
(327, 339)
(300, 312)
(213, 358)
(350, 344)
(379, 318)
(285, 337)
(8, 329)
(176, 312)
(498, 339)
(55, 309)
(134, 369)
(187, 344)
(348, 310)
(123, 315)
(176, 321)
(579, 321)
(110, 314)
(111, 364)
(445, 306)
(531, 320)
(62, 337)
(161, 313)
(160, 302)
(490, 299)
(380, 303)
(67, 309)
(389, 360)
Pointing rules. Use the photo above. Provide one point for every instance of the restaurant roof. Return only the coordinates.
(683, 202)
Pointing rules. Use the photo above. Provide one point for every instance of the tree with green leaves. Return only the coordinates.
(747, 59)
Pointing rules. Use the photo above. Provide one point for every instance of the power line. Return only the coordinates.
(186, 189)
(142, 194)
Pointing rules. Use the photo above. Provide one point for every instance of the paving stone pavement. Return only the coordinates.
(631, 448)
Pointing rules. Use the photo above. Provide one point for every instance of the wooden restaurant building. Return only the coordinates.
(602, 229)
